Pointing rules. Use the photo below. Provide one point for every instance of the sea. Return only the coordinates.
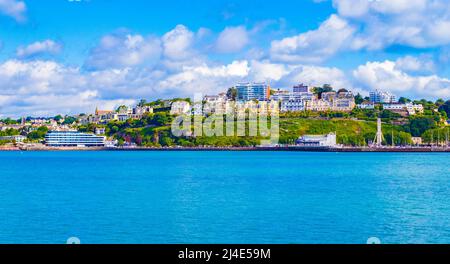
(260, 197)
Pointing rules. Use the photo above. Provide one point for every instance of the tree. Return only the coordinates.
(417, 126)
(445, 107)
(359, 99)
(439, 102)
(142, 103)
(122, 109)
(161, 119)
(57, 118)
(404, 100)
(232, 93)
(324, 89)
(38, 134)
(69, 120)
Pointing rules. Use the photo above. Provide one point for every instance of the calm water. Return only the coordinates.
(224, 197)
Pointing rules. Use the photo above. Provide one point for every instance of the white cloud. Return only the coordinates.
(232, 39)
(414, 23)
(266, 71)
(124, 50)
(412, 64)
(206, 79)
(317, 76)
(387, 76)
(178, 43)
(13, 8)
(316, 45)
(39, 48)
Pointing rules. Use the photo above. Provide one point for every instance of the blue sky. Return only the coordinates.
(69, 56)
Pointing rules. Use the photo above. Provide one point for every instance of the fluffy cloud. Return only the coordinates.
(42, 88)
(178, 43)
(316, 45)
(415, 23)
(124, 50)
(232, 39)
(206, 79)
(38, 48)
(13, 8)
(46, 87)
(387, 76)
(412, 64)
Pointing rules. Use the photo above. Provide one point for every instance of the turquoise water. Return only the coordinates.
(224, 197)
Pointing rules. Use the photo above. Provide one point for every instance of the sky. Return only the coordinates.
(72, 56)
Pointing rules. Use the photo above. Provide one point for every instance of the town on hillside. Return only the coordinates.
(308, 116)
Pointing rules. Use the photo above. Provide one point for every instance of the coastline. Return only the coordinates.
(247, 149)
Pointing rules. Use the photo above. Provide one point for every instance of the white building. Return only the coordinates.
(73, 139)
(253, 91)
(283, 95)
(341, 101)
(410, 108)
(366, 105)
(293, 106)
(16, 138)
(100, 131)
(180, 107)
(220, 98)
(318, 140)
(382, 97)
(140, 111)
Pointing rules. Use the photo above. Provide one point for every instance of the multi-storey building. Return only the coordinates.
(293, 106)
(283, 95)
(253, 91)
(317, 105)
(301, 88)
(73, 139)
(382, 97)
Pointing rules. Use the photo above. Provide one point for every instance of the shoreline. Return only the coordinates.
(247, 149)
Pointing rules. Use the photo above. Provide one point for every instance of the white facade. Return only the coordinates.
(16, 138)
(293, 106)
(382, 97)
(318, 140)
(252, 91)
(180, 107)
(366, 105)
(411, 108)
(73, 139)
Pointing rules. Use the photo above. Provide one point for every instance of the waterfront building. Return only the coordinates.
(73, 139)
(317, 140)
(417, 141)
(253, 91)
(16, 138)
(382, 97)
